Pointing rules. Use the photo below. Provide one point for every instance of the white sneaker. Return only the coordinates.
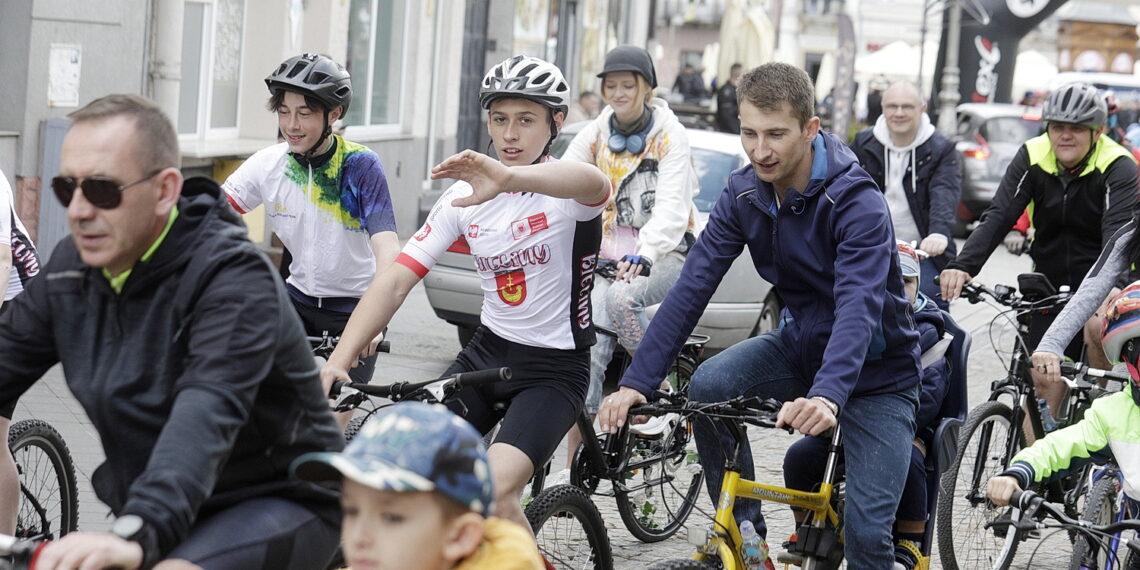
(656, 425)
(560, 478)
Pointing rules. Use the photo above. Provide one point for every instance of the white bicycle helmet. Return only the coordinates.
(1076, 103)
(528, 78)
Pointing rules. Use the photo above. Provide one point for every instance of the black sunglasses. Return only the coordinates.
(103, 193)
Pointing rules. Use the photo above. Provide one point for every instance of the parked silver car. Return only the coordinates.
(744, 305)
(988, 137)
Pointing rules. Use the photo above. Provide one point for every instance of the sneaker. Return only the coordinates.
(907, 555)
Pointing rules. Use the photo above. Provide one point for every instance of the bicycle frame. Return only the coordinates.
(1128, 509)
(725, 543)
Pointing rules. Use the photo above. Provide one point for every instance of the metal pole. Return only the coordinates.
(922, 44)
(948, 97)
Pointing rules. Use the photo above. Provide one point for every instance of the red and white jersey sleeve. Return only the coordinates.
(535, 256)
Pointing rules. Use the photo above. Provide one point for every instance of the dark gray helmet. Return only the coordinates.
(1076, 103)
(527, 78)
(630, 58)
(315, 75)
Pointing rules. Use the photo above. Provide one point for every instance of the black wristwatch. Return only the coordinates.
(128, 527)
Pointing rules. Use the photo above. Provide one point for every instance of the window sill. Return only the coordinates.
(200, 152)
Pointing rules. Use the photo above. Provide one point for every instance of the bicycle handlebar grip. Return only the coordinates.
(336, 387)
(483, 376)
(384, 346)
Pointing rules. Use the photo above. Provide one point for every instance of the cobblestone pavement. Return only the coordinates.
(424, 345)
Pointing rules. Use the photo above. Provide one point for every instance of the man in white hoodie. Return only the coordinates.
(917, 169)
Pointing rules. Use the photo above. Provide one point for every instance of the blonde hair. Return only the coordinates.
(642, 86)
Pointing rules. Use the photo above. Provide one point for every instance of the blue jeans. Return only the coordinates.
(620, 307)
(928, 287)
(877, 434)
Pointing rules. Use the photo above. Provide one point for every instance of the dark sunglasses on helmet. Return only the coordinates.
(103, 193)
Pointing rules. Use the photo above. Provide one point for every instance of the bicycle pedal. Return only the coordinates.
(785, 557)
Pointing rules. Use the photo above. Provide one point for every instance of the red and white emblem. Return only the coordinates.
(511, 286)
(472, 231)
(423, 233)
(529, 225)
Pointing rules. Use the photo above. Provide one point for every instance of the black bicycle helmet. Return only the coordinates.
(527, 78)
(1076, 103)
(315, 75)
(630, 58)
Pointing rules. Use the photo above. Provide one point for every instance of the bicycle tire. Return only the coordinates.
(49, 497)
(962, 509)
(656, 493)
(354, 426)
(553, 516)
(681, 564)
(1100, 508)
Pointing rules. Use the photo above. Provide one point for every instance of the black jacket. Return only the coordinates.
(1074, 214)
(938, 178)
(727, 109)
(197, 376)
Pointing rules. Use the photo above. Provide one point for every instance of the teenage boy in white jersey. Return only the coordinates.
(325, 197)
(534, 226)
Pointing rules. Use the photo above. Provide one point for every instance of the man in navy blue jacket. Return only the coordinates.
(817, 228)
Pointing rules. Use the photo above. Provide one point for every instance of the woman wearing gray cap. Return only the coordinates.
(650, 221)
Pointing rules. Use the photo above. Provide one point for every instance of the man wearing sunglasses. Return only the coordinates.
(326, 198)
(179, 341)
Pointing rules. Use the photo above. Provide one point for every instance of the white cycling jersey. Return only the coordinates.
(324, 215)
(13, 235)
(535, 256)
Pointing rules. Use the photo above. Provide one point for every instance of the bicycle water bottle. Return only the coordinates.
(1047, 419)
(752, 547)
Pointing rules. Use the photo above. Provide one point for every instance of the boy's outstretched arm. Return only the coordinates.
(489, 178)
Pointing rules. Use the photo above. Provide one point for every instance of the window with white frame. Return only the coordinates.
(376, 35)
(211, 66)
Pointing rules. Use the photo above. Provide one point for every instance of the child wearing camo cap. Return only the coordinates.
(416, 494)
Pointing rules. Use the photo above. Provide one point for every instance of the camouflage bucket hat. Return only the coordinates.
(411, 446)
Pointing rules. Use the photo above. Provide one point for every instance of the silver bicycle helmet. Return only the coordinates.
(315, 75)
(1076, 103)
(528, 78)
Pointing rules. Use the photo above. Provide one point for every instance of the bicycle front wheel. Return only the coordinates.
(985, 440)
(49, 498)
(661, 481)
(569, 529)
(1100, 509)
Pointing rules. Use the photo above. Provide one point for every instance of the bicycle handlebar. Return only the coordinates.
(432, 390)
(1082, 369)
(1034, 507)
(754, 411)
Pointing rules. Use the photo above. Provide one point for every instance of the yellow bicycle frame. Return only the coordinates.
(724, 539)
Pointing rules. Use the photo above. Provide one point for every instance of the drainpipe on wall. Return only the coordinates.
(166, 65)
(433, 98)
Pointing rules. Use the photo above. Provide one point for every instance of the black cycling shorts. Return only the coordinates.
(264, 533)
(318, 320)
(546, 393)
(7, 411)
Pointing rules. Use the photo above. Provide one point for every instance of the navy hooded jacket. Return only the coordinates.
(830, 253)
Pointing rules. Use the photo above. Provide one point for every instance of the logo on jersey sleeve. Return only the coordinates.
(472, 231)
(511, 286)
(528, 226)
(423, 233)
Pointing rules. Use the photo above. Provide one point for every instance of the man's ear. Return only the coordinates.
(463, 536)
(559, 119)
(170, 190)
(811, 129)
(336, 114)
